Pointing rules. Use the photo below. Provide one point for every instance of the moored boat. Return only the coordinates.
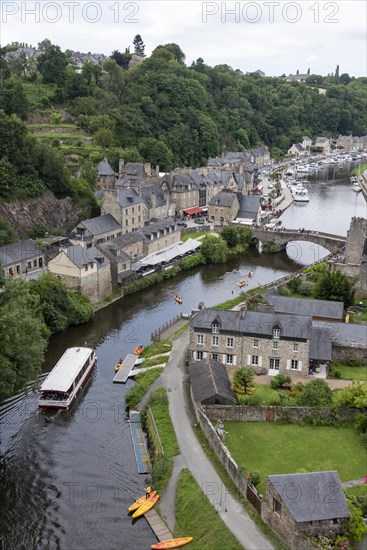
(119, 364)
(66, 379)
(148, 504)
(171, 543)
(138, 350)
(242, 283)
(140, 501)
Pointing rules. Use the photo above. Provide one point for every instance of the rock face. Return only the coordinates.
(52, 213)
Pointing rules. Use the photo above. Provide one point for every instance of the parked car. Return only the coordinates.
(200, 221)
(182, 224)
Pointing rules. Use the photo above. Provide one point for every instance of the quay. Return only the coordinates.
(127, 366)
(158, 526)
(166, 331)
(140, 448)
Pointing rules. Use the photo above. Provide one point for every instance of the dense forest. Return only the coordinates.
(161, 111)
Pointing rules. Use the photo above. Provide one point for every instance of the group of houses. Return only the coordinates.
(285, 335)
(325, 145)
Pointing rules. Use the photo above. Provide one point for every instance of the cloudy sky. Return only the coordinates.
(276, 36)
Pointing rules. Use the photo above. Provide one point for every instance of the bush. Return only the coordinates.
(334, 372)
(37, 231)
(192, 261)
(315, 394)
(360, 423)
(294, 284)
(280, 381)
(283, 291)
(306, 288)
(255, 478)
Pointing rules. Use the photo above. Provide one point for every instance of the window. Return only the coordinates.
(199, 355)
(29, 265)
(215, 328)
(275, 345)
(34, 263)
(139, 219)
(139, 208)
(133, 221)
(274, 363)
(254, 360)
(294, 364)
(215, 341)
(276, 333)
(229, 359)
(229, 342)
(215, 356)
(127, 222)
(277, 507)
(86, 268)
(200, 339)
(295, 346)
(132, 210)
(256, 343)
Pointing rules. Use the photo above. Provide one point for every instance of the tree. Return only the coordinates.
(139, 45)
(214, 249)
(7, 235)
(13, 100)
(243, 382)
(157, 153)
(230, 235)
(354, 396)
(121, 59)
(104, 137)
(315, 394)
(335, 285)
(52, 65)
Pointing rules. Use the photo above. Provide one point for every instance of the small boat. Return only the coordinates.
(148, 504)
(250, 273)
(135, 505)
(178, 299)
(242, 283)
(171, 543)
(118, 364)
(138, 350)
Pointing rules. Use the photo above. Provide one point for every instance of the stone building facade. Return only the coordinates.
(127, 207)
(223, 207)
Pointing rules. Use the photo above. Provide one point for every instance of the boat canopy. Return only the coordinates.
(167, 254)
(66, 369)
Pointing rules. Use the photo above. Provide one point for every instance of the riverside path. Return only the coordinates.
(234, 516)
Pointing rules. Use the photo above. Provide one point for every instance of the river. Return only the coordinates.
(66, 479)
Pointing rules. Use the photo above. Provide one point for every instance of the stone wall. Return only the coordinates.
(249, 413)
(343, 352)
(355, 241)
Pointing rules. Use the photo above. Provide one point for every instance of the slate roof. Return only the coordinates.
(298, 494)
(104, 169)
(154, 227)
(129, 197)
(154, 190)
(249, 206)
(128, 238)
(223, 198)
(101, 224)
(254, 323)
(320, 345)
(18, 252)
(304, 306)
(345, 333)
(298, 146)
(112, 251)
(208, 379)
(81, 256)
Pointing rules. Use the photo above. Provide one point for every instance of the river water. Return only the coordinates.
(66, 479)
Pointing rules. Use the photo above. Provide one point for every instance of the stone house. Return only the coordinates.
(127, 207)
(298, 506)
(21, 258)
(158, 205)
(106, 175)
(306, 142)
(159, 235)
(297, 77)
(249, 212)
(210, 384)
(84, 270)
(120, 263)
(344, 142)
(261, 155)
(323, 145)
(297, 150)
(132, 174)
(95, 230)
(181, 189)
(266, 342)
(223, 207)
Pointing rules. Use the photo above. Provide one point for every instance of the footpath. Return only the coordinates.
(194, 458)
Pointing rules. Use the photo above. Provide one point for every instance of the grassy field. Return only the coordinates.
(285, 448)
(359, 491)
(196, 517)
(158, 403)
(193, 235)
(156, 348)
(36, 91)
(351, 373)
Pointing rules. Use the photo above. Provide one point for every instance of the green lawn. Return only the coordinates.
(156, 348)
(193, 235)
(285, 448)
(351, 373)
(196, 517)
(143, 380)
(359, 491)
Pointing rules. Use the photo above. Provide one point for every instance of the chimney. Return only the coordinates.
(147, 169)
(121, 166)
(157, 170)
(243, 308)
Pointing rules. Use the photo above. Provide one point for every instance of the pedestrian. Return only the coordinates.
(148, 490)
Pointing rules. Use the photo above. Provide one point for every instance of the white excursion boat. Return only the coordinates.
(66, 379)
(300, 193)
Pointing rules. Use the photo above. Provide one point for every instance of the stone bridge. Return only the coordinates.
(279, 239)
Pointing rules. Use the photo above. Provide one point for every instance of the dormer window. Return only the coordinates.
(215, 328)
(276, 333)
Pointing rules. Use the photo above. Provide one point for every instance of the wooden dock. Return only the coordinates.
(158, 526)
(140, 449)
(127, 366)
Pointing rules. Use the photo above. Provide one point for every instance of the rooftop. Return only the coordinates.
(64, 372)
(18, 252)
(305, 306)
(208, 379)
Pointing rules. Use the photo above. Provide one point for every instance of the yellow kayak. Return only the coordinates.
(135, 505)
(150, 502)
(171, 543)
